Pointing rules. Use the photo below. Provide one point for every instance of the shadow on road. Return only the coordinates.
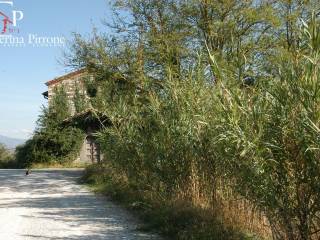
(63, 208)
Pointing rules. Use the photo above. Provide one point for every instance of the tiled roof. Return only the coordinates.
(64, 77)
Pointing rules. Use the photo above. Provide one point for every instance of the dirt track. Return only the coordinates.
(50, 205)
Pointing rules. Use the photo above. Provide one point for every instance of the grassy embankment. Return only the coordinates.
(174, 218)
(58, 165)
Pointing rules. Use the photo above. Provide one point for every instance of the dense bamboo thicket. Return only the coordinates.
(214, 105)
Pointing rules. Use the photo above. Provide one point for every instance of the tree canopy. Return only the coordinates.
(210, 101)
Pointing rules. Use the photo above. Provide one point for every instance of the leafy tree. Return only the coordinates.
(3, 152)
(59, 107)
(52, 142)
(79, 100)
(6, 158)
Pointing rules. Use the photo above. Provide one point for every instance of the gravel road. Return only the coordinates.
(51, 205)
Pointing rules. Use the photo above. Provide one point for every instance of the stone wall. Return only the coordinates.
(70, 85)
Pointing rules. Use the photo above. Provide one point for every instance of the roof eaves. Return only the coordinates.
(66, 76)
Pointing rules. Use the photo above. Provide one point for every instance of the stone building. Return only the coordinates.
(70, 82)
(88, 120)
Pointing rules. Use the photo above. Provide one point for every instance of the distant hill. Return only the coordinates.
(11, 143)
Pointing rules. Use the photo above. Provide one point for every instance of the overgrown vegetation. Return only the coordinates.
(6, 158)
(52, 143)
(175, 219)
(215, 115)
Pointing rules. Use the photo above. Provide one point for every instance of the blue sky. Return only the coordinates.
(24, 70)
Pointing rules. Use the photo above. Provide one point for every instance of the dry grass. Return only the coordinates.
(179, 217)
(58, 165)
(233, 210)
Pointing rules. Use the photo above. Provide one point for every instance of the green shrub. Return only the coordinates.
(6, 158)
(52, 142)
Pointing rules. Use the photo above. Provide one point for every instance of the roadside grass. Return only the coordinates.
(174, 219)
(13, 164)
(58, 165)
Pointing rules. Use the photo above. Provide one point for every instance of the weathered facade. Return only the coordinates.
(70, 82)
(87, 120)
